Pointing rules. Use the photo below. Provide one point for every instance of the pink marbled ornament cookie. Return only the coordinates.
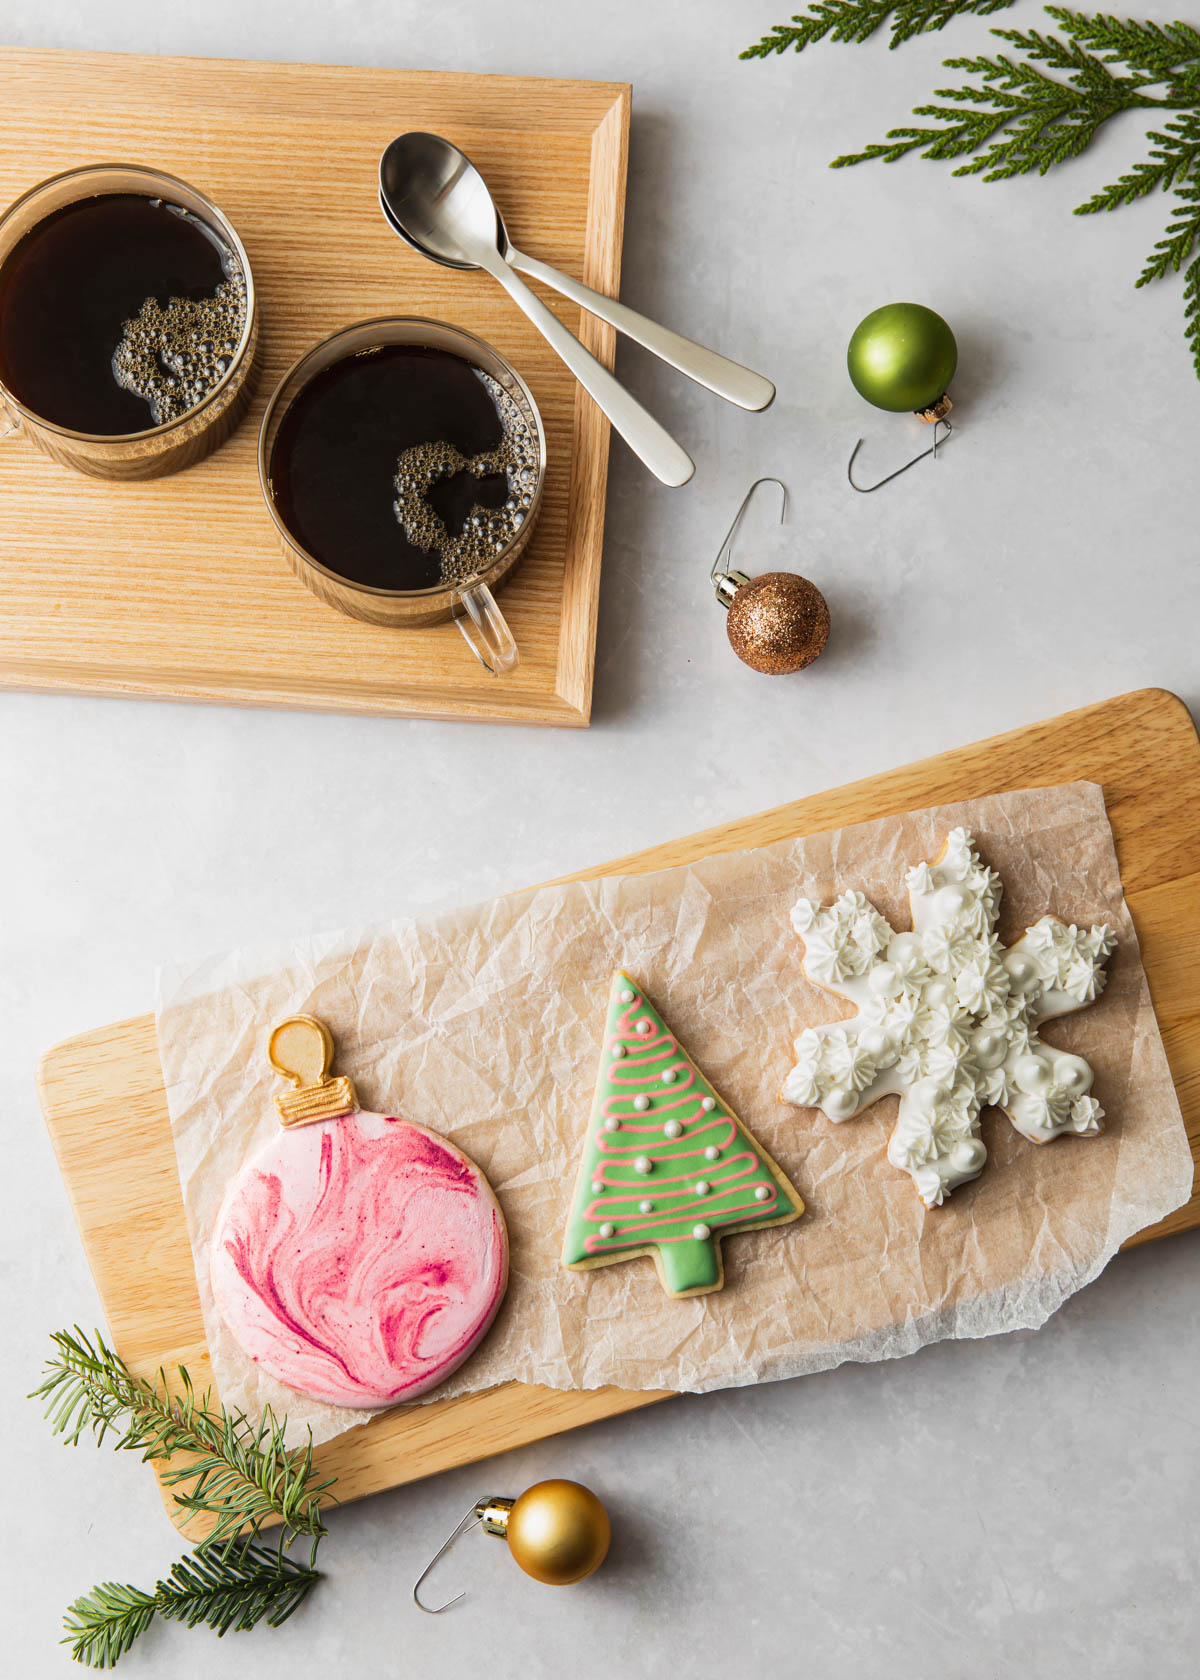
(360, 1260)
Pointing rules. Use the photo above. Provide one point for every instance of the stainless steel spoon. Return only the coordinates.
(437, 201)
(439, 160)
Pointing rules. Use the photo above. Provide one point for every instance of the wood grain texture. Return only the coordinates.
(106, 1111)
(177, 588)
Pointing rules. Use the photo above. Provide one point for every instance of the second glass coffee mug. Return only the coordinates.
(469, 601)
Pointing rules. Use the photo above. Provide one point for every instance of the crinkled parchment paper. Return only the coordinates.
(485, 1024)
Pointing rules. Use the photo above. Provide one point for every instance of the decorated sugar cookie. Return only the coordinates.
(668, 1169)
(947, 1018)
(358, 1258)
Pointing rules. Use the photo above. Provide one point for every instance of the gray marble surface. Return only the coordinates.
(1025, 1506)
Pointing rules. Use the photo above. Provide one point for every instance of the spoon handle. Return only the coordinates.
(650, 442)
(737, 384)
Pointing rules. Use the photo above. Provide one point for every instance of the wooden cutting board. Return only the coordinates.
(106, 1110)
(178, 588)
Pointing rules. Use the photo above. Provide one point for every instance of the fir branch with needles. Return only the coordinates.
(229, 1588)
(857, 20)
(1043, 102)
(237, 1474)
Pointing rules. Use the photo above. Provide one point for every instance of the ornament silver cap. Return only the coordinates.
(727, 584)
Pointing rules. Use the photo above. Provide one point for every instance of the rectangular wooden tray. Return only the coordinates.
(178, 588)
(106, 1109)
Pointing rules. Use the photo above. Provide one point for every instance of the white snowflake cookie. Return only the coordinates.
(947, 1019)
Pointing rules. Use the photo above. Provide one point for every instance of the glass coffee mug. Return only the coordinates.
(364, 448)
(151, 451)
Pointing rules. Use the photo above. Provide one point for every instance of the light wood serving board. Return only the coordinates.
(106, 1110)
(178, 588)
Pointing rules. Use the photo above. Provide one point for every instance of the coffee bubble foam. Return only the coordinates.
(175, 354)
(487, 531)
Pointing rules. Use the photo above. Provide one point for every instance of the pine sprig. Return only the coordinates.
(240, 1475)
(234, 1588)
(102, 1625)
(231, 1587)
(857, 20)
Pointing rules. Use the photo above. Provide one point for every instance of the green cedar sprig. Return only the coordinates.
(240, 1475)
(1043, 103)
(234, 1586)
(857, 20)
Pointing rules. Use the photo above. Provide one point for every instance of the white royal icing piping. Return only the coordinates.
(947, 1019)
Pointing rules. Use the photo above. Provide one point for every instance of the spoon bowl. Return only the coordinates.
(438, 202)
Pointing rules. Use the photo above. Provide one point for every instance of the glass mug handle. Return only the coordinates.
(9, 422)
(484, 629)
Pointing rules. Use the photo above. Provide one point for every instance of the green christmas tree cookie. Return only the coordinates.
(667, 1169)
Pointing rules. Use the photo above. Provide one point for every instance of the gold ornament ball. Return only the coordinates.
(778, 623)
(558, 1532)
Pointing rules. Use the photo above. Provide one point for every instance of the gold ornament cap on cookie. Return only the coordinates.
(301, 1049)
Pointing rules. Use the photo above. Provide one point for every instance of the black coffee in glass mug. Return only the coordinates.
(404, 466)
(119, 313)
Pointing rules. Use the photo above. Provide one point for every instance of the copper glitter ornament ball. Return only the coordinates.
(778, 623)
(558, 1531)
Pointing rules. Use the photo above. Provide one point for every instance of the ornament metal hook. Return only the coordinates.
(866, 489)
(720, 566)
(436, 1609)
(492, 1516)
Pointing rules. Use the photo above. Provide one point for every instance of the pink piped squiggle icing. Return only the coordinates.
(360, 1260)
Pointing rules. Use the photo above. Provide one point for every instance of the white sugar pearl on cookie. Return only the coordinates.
(612, 1124)
(668, 1076)
(762, 1193)
(627, 994)
(607, 1230)
(643, 1164)
(703, 1187)
(701, 1233)
(672, 1129)
(708, 1104)
(641, 1104)
(712, 1153)
(645, 1026)
(645, 1207)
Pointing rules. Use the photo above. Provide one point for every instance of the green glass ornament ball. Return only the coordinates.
(902, 356)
